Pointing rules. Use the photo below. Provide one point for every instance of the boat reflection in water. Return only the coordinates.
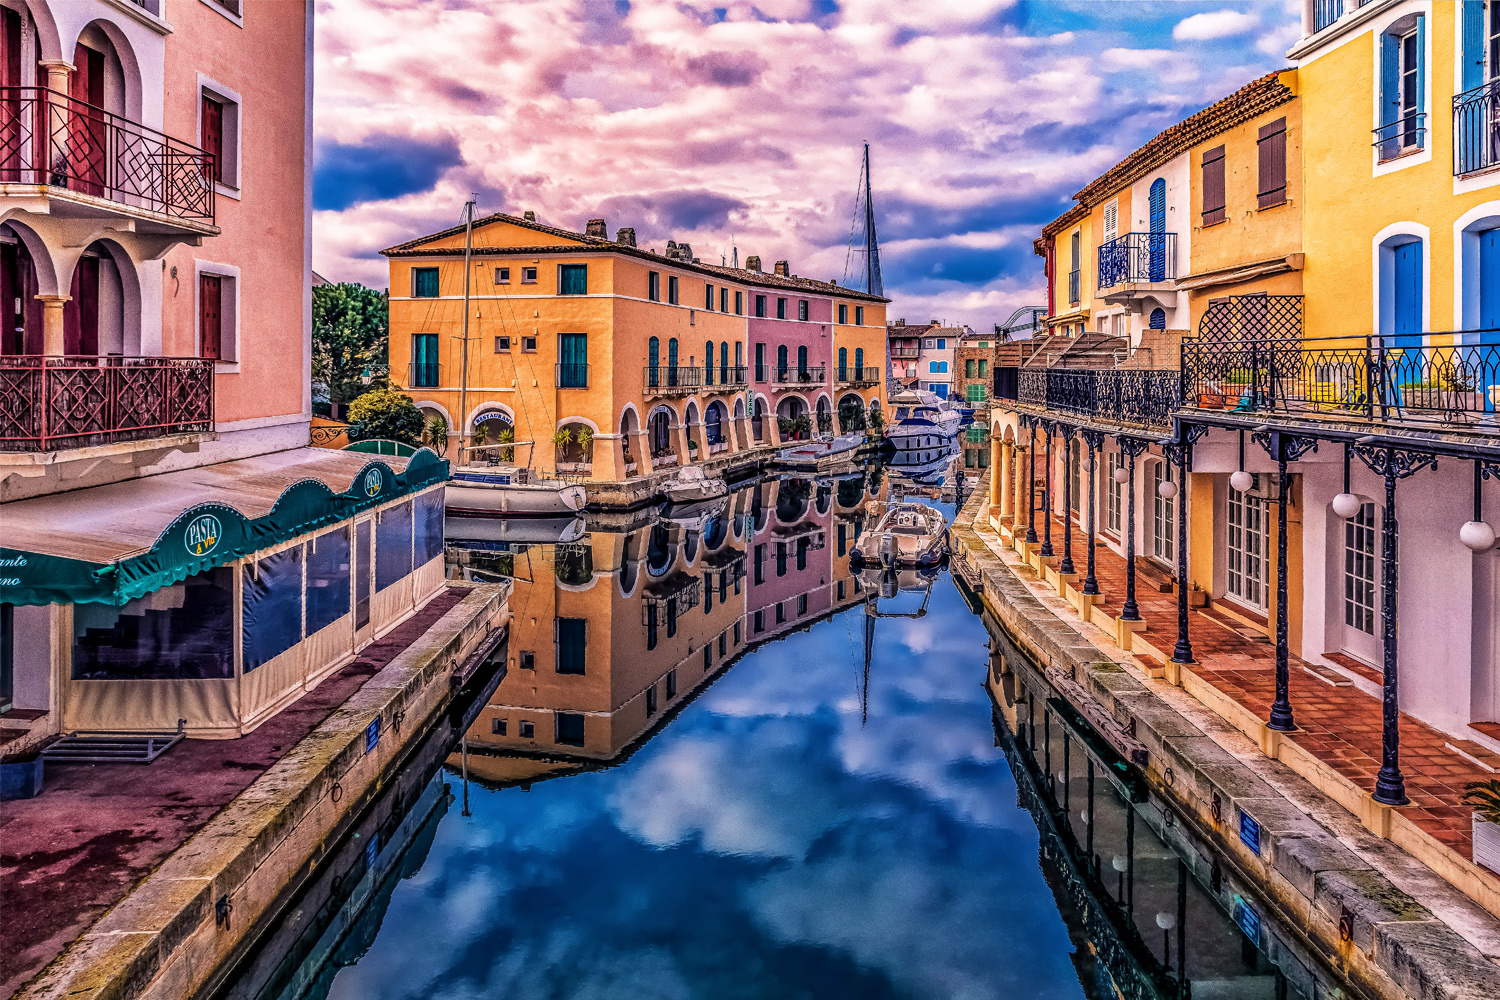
(613, 631)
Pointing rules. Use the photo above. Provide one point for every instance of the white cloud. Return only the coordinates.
(1214, 24)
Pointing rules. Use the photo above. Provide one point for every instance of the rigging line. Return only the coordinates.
(853, 223)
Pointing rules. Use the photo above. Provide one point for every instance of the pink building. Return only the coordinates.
(173, 552)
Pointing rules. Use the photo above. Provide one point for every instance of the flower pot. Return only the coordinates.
(1465, 407)
(1486, 844)
(21, 779)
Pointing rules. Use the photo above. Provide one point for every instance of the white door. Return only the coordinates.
(1246, 542)
(1361, 596)
(1163, 515)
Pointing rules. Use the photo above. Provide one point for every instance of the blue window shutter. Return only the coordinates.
(1472, 49)
(1489, 279)
(1421, 74)
(1390, 80)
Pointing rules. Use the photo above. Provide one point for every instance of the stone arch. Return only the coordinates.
(575, 452)
(49, 41)
(129, 291)
(493, 410)
(715, 421)
(823, 406)
(851, 413)
(42, 260)
(660, 425)
(129, 101)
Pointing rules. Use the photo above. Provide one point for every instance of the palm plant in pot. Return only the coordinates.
(1484, 798)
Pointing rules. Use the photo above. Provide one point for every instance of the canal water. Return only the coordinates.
(715, 762)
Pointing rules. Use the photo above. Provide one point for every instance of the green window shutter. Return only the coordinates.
(572, 279)
(424, 281)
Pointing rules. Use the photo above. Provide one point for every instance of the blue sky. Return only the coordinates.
(739, 125)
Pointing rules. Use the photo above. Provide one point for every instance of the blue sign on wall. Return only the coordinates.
(372, 734)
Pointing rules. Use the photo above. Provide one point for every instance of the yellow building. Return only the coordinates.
(647, 360)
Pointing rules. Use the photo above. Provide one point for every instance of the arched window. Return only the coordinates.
(1158, 319)
(661, 434)
(713, 424)
(859, 362)
(758, 420)
(672, 361)
(781, 362)
(723, 361)
(653, 359)
(708, 359)
(802, 360)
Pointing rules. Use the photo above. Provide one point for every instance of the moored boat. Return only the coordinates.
(822, 455)
(691, 486)
(508, 490)
(905, 534)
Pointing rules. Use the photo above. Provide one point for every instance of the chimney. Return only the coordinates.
(528, 216)
(625, 235)
(783, 269)
(596, 228)
(752, 263)
(672, 251)
(685, 251)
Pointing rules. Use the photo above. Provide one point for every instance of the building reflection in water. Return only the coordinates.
(615, 627)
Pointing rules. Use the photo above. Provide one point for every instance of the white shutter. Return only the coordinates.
(1111, 221)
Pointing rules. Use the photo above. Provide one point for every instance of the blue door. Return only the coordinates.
(1489, 279)
(1406, 295)
(1158, 237)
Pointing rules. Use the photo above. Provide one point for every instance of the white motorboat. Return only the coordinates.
(486, 531)
(920, 419)
(822, 455)
(509, 490)
(905, 534)
(691, 486)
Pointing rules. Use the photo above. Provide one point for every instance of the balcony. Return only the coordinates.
(55, 403)
(799, 376)
(425, 375)
(90, 156)
(1476, 129)
(725, 378)
(573, 376)
(672, 380)
(1138, 258)
(857, 378)
(905, 352)
(1405, 135)
(1362, 380)
(1140, 397)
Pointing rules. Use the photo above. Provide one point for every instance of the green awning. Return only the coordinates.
(112, 544)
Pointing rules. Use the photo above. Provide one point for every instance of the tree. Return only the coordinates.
(350, 339)
(386, 413)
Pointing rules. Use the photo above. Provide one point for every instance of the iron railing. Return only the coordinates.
(47, 137)
(857, 376)
(905, 352)
(1118, 395)
(1396, 380)
(425, 374)
(799, 376)
(726, 377)
(1075, 287)
(671, 380)
(1401, 136)
(1136, 257)
(49, 403)
(1476, 129)
(572, 376)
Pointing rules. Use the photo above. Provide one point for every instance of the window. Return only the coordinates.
(1075, 251)
(219, 114)
(109, 644)
(653, 286)
(736, 630)
(739, 303)
(528, 345)
(671, 684)
(984, 343)
(1075, 478)
(1115, 495)
(708, 297)
(1163, 513)
(572, 279)
(781, 308)
(780, 613)
(759, 621)
(328, 565)
(781, 558)
(859, 315)
(572, 361)
(528, 730)
(651, 700)
(968, 368)
(983, 367)
(1402, 89)
(424, 282)
(1246, 544)
(502, 277)
(974, 393)
(672, 289)
(497, 727)
(942, 344)
(760, 362)
(802, 309)
(528, 275)
(781, 362)
(271, 606)
(760, 306)
(722, 640)
(1111, 221)
(1213, 183)
(937, 387)
(723, 300)
(1271, 147)
(571, 633)
(213, 137)
(1361, 558)
(1158, 320)
(569, 728)
(801, 604)
(393, 545)
(424, 360)
(760, 564)
(502, 345)
(210, 317)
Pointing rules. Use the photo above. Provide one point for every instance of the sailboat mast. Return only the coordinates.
(463, 385)
(873, 283)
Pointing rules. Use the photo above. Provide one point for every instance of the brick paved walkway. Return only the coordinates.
(1339, 724)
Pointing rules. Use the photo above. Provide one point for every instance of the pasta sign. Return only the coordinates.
(203, 534)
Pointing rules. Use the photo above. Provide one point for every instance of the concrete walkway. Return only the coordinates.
(73, 852)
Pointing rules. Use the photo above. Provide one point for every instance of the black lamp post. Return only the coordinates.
(1180, 453)
(1093, 439)
(1283, 448)
(1031, 486)
(1130, 448)
(1047, 495)
(1066, 566)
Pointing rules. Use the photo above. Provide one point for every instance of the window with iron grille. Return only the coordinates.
(1271, 146)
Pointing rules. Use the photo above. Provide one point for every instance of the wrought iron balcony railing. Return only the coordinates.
(425, 374)
(52, 403)
(857, 376)
(47, 137)
(1404, 135)
(573, 376)
(799, 376)
(725, 378)
(1138, 257)
(905, 352)
(672, 380)
(1395, 380)
(1476, 129)
(1139, 396)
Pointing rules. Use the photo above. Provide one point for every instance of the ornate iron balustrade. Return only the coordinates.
(1136, 257)
(47, 137)
(857, 377)
(799, 376)
(672, 380)
(1404, 135)
(1367, 379)
(51, 403)
(1476, 129)
(726, 378)
(1119, 395)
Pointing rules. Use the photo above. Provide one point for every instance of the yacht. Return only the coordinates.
(919, 419)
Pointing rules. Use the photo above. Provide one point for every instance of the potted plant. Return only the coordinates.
(561, 438)
(507, 435)
(1484, 798)
(1461, 399)
(435, 434)
(586, 444)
